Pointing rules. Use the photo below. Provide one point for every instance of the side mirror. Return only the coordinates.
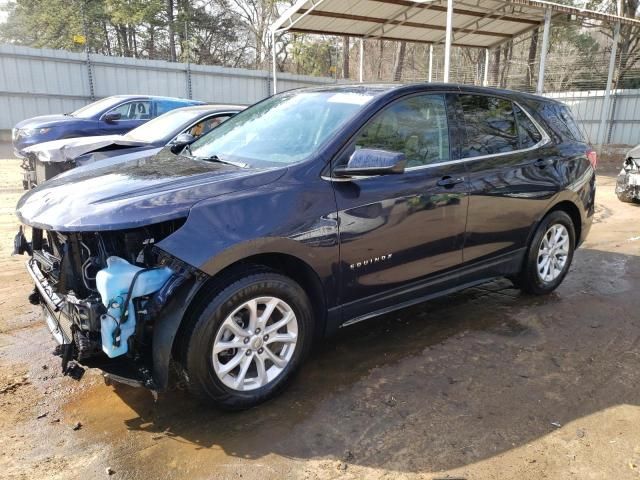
(368, 161)
(181, 141)
(112, 117)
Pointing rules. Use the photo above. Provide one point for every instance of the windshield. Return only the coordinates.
(284, 129)
(164, 126)
(95, 108)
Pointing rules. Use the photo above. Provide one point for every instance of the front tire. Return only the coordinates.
(245, 345)
(549, 255)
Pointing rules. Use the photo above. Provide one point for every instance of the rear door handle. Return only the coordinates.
(542, 162)
(449, 182)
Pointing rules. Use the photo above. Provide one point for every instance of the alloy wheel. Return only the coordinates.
(255, 343)
(553, 253)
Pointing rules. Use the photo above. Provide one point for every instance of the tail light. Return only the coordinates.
(593, 157)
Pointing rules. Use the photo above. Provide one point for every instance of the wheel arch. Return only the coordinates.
(567, 206)
(300, 272)
(286, 264)
(564, 205)
(571, 209)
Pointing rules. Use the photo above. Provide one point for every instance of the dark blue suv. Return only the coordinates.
(110, 116)
(310, 211)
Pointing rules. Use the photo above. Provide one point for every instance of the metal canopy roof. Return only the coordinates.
(476, 23)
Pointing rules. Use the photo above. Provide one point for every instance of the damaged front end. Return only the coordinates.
(28, 167)
(37, 168)
(628, 182)
(104, 296)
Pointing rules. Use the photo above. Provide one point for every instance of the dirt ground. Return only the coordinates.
(485, 384)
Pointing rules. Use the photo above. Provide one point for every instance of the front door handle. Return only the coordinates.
(449, 182)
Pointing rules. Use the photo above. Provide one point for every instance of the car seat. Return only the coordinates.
(142, 112)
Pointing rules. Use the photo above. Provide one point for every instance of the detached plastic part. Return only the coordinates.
(20, 244)
(118, 284)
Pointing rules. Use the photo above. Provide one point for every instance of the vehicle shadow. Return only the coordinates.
(439, 385)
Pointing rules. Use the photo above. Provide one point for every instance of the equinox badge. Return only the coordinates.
(370, 261)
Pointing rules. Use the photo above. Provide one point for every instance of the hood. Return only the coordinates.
(634, 152)
(131, 194)
(111, 158)
(68, 149)
(47, 121)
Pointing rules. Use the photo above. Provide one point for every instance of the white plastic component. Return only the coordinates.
(113, 283)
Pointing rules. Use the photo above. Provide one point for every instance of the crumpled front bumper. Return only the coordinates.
(149, 373)
(59, 323)
(628, 185)
(61, 327)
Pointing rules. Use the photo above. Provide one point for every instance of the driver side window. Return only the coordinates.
(140, 110)
(416, 126)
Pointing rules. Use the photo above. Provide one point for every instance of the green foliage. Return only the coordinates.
(312, 57)
(236, 33)
(204, 31)
(50, 24)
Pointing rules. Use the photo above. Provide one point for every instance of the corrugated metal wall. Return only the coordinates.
(624, 112)
(41, 81)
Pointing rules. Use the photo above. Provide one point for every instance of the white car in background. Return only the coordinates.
(175, 128)
(628, 183)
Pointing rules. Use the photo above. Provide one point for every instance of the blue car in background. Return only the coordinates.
(109, 116)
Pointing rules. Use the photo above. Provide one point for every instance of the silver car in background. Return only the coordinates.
(175, 128)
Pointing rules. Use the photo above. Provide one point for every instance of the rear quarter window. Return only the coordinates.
(561, 120)
(527, 131)
(567, 118)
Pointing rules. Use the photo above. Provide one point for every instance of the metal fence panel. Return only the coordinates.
(623, 126)
(42, 81)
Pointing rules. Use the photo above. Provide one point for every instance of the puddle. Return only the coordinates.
(611, 278)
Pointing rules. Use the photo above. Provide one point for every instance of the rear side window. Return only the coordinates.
(490, 126)
(561, 120)
(527, 132)
(416, 126)
(138, 110)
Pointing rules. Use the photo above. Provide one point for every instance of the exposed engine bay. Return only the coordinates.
(101, 291)
(628, 182)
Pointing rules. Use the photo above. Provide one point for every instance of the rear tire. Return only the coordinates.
(549, 255)
(244, 345)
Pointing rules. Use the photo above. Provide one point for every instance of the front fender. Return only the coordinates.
(166, 328)
(275, 219)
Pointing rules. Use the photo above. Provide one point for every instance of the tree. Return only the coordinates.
(345, 56)
(255, 18)
(312, 56)
(49, 24)
(533, 49)
(398, 64)
(629, 46)
(171, 32)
